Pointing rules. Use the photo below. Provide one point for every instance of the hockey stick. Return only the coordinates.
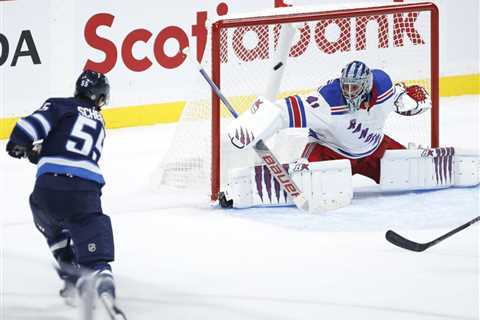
(404, 243)
(279, 60)
(114, 312)
(270, 160)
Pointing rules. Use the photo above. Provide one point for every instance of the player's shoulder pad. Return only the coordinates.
(60, 105)
(62, 102)
(332, 93)
(382, 82)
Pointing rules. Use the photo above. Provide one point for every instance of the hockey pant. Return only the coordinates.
(368, 166)
(67, 211)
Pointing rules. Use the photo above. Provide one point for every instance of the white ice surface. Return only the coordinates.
(180, 259)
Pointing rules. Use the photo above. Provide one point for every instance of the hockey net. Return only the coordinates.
(401, 39)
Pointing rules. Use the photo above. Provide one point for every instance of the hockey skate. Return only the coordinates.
(69, 291)
(98, 285)
(224, 203)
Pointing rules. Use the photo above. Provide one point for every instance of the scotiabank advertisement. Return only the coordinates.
(44, 45)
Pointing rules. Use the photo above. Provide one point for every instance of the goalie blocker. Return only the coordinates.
(327, 185)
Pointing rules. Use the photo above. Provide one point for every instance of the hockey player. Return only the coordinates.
(345, 120)
(64, 137)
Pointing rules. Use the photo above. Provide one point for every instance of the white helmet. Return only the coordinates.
(356, 83)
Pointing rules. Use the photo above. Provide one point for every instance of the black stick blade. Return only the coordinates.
(404, 243)
(277, 66)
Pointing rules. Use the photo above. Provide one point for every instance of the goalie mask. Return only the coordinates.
(356, 83)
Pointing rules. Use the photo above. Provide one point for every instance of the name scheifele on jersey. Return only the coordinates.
(72, 130)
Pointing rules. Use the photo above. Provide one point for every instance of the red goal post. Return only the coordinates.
(400, 38)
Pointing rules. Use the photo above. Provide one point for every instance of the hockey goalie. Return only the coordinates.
(345, 119)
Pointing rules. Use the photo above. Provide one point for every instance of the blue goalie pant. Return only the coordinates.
(68, 208)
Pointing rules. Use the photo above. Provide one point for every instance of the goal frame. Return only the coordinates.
(309, 16)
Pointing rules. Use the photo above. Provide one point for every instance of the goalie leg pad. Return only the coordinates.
(466, 166)
(238, 192)
(427, 169)
(327, 185)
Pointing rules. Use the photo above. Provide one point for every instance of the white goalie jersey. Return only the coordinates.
(331, 122)
(353, 134)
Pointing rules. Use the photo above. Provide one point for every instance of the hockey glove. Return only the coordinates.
(18, 151)
(412, 100)
(34, 154)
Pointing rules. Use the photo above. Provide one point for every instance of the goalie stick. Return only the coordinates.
(270, 160)
(405, 243)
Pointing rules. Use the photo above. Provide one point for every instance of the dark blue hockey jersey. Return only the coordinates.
(72, 131)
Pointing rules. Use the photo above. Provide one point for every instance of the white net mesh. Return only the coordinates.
(398, 43)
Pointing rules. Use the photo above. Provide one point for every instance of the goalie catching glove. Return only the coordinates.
(412, 100)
